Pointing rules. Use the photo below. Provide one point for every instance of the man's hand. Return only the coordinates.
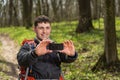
(41, 48)
(69, 48)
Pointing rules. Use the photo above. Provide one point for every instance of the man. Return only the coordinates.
(45, 63)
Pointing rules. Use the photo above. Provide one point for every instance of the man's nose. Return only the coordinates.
(44, 30)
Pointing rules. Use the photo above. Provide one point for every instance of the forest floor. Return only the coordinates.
(8, 62)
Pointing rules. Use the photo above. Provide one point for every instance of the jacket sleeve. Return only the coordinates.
(66, 58)
(26, 56)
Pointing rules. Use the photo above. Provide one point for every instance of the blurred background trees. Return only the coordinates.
(23, 12)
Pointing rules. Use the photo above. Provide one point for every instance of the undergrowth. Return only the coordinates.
(88, 45)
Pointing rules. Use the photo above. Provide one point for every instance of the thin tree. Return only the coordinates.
(27, 13)
(95, 9)
(10, 12)
(45, 7)
(38, 8)
(55, 6)
(15, 13)
(118, 8)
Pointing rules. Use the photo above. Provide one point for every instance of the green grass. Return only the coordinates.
(18, 33)
(88, 45)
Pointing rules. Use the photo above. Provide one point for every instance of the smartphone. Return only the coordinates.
(55, 46)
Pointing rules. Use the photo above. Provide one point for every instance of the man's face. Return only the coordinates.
(43, 30)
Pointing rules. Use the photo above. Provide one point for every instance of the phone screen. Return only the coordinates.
(54, 46)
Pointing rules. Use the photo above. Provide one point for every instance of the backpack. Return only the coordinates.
(23, 74)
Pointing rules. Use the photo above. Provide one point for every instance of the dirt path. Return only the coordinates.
(9, 52)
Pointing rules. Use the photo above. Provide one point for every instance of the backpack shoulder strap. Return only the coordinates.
(30, 41)
(24, 71)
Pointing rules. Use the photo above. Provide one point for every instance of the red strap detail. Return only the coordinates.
(61, 78)
(29, 78)
(27, 41)
(23, 72)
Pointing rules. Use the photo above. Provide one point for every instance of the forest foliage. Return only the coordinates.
(88, 45)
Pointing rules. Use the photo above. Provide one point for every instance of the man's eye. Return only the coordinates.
(47, 27)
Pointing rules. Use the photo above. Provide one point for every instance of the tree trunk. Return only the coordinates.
(109, 60)
(15, 9)
(27, 13)
(119, 8)
(55, 8)
(110, 32)
(95, 9)
(45, 7)
(61, 10)
(10, 12)
(67, 9)
(85, 22)
(38, 8)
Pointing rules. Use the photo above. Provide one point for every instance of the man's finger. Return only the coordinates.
(71, 42)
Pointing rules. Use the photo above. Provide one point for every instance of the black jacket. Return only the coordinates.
(45, 66)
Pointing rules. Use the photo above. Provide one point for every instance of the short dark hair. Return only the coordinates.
(41, 19)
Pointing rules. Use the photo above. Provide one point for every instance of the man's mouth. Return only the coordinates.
(44, 36)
